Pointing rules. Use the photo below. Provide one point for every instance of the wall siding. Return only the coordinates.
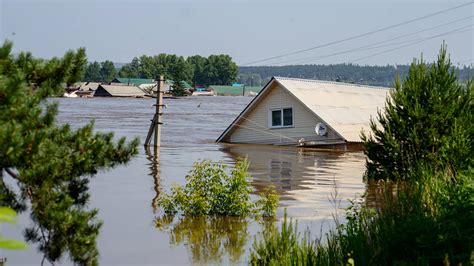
(254, 128)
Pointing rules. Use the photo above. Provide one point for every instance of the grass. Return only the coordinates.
(427, 222)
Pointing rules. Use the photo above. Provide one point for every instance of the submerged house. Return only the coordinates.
(118, 91)
(132, 81)
(307, 113)
(87, 89)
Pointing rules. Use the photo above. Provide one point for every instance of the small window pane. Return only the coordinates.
(288, 117)
(276, 118)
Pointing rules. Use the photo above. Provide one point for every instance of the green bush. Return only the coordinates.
(430, 222)
(210, 190)
(427, 123)
(427, 222)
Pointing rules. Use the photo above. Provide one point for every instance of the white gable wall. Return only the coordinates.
(255, 127)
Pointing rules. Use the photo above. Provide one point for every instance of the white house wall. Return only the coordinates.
(254, 128)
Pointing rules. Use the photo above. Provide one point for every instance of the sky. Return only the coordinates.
(249, 31)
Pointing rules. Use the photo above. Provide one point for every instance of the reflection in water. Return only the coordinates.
(154, 166)
(208, 239)
(378, 191)
(305, 178)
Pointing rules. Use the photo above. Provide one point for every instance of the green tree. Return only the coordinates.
(107, 71)
(51, 164)
(179, 71)
(92, 72)
(130, 70)
(198, 64)
(210, 190)
(428, 121)
(220, 70)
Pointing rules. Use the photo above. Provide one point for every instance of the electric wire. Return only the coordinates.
(361, 35)
(370, 46)
(413, 43)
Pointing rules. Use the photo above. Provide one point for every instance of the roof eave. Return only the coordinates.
(246, 109)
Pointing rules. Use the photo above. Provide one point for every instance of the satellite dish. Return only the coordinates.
(321, 129)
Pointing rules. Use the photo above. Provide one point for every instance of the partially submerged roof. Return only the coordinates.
(89, 86)
(346, 108)
(183, 84)
(119, 91)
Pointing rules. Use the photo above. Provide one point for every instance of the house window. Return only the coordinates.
(281, 117)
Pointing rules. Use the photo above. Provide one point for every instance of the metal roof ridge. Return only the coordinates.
(331, 82)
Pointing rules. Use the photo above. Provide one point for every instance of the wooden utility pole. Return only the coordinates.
(156, 122)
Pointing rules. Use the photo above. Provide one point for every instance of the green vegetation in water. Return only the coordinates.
(210, 190)
(426, 215)
(214, 210)
(51, 165)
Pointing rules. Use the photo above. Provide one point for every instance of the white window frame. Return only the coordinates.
(270, 118)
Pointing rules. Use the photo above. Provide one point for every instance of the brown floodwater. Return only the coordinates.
(313, 185)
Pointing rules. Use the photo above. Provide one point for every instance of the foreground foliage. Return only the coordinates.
(51, 165)
(421, 223)
(422, 154)
(210, 190)
(284, 247)
(427, 122)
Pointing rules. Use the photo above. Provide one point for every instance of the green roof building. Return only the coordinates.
(133, 81)
(234, 90)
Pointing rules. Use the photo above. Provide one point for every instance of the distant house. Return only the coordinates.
(148, 84)
(132, 81)
(221, 90)
(118, 91)
(87, 89)
(307, 112)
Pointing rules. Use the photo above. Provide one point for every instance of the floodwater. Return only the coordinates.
(313, 185)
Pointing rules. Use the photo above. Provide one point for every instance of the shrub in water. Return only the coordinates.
(210, 190)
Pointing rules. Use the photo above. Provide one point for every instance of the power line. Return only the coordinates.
(360, 35)
(370, 46)
(413, 43)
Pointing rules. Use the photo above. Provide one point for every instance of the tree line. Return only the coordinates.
(196, 70)
(222, 70)
(368, 75)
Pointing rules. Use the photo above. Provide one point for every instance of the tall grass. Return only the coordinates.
(428, 222)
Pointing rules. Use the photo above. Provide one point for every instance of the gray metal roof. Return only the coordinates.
(123, 91)
(347, 108)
